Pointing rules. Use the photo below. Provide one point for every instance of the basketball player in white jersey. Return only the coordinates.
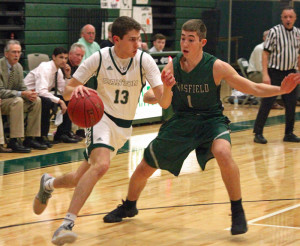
(121, 73)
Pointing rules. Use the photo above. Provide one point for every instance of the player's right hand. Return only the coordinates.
(79, 91)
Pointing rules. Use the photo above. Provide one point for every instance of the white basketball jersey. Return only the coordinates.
(119, 91)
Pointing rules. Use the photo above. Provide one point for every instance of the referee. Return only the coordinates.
(280, 57)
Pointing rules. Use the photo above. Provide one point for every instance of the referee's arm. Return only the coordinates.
(265, 61)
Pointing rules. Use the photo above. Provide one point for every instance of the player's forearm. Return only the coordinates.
(265, 90)
(70, 88)
(166, 98)
(67, 93)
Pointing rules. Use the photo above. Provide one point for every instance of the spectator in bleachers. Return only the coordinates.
(17, 99)
(43, 79)
(88, 34)
(76, 54)
(108, 42)
(159, 42)
(255, 66)
(142, 45)
(2, 148)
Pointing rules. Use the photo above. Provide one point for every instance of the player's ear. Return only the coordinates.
(116, 38)
(203, 42)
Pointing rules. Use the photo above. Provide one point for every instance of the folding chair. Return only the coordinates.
(243, 65)
(35, 59)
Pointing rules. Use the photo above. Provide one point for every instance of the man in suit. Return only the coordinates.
(2, 148)
(16, 100)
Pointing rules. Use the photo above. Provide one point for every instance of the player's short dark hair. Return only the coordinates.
(59, 50)
(158, 36)
(195, 25)
(124, 24)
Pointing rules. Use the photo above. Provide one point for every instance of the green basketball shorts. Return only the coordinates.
(183, 134)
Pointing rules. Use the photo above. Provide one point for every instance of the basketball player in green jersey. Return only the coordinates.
(198, 123)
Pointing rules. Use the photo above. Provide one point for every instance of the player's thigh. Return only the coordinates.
(106, 134)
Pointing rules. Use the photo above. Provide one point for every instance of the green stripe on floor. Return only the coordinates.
(58, 158)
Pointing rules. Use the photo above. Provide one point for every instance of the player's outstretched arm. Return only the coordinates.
(289, 83)
(223, 71)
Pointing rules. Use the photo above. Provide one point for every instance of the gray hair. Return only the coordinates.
(82, 30)
(75, 46)
(11, 42)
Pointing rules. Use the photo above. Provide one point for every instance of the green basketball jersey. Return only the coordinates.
(196, 91)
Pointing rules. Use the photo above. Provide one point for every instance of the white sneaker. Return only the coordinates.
(41, 199)
(64, 235)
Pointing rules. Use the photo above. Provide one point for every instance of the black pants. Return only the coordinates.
(63, 128)
(289, 101)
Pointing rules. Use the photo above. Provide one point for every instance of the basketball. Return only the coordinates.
(86, 111)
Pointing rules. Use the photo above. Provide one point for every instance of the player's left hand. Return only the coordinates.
(289, 83)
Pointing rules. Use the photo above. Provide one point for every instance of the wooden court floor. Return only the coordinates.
(191, 209)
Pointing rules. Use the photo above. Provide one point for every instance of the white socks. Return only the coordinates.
(69, 218)
(49, 184)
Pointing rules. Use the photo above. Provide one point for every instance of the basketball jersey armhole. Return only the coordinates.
(99, 64)
(141, 70)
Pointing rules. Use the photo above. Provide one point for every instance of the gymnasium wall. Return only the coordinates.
(249, 20)
(190, 9)
(46, 21)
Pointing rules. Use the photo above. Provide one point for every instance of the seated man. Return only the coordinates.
(159, 42)
(44, 78)
(76, 54)
(2, 148)
(17, 99)
(108, 42)
(254, 70)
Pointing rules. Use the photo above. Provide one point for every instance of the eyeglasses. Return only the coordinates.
(16, 52)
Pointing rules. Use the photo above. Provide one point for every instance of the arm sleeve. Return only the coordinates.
(269, 42)
(151, 70)
(88, 68)
(8, 93)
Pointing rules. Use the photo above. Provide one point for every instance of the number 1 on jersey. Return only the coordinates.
(189, 98)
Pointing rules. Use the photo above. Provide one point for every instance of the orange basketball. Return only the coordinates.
(86, 111)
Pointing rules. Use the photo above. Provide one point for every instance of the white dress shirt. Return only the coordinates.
(255, 61)
(42, 80)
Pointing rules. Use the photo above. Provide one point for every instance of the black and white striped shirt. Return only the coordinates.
(283, 46)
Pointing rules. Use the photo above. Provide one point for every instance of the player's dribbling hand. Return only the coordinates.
(79, 91)
(289, 83)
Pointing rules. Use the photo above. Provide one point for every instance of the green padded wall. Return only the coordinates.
(46, 23)
(190, 9)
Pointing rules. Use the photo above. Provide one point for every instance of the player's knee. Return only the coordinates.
(101, 168)
(144, 170)
(222, 153)
(75, 179)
